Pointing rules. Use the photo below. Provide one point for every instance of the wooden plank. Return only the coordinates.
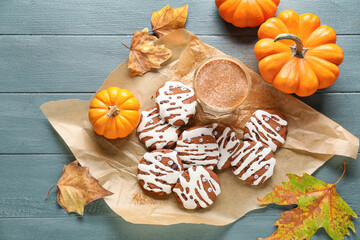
(58, 64)
(117, 228)
(25, 129)
(82, 63)
(120, 17)
(25, 180)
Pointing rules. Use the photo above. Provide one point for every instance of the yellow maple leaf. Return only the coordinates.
(77, 188)
(145, 54)
(168, 19)
(318, 205)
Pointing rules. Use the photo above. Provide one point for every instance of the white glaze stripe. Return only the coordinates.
(197, 152)
(255, 127)
(175, 106)
(255, 166)
(160, 133)
(171, 176)
(195, 180)
(226, 150)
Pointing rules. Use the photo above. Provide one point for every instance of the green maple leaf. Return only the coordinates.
(318, 205)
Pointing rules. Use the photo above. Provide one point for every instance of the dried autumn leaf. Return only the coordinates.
(318, 205)
(77, 188)
(168, 19)
(145, 54)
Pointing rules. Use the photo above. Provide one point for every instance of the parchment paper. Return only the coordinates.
(312, 140)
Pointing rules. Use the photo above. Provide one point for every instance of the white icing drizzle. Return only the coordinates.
(160, 133)
(256, 165)
(196, 185)
(170, 175)
(172, 106)
(197, 152)
(226, 150)
(255, 127)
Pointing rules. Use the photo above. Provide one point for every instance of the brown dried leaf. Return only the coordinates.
(145, 54)
(77, 188)
(166, 20)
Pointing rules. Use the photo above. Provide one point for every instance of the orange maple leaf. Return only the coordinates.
(318, 205)
(77, 188)
(168, 19)
(145, 54)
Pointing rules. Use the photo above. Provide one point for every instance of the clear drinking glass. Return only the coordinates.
(232, 80)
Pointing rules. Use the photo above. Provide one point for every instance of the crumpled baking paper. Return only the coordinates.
(312, 140)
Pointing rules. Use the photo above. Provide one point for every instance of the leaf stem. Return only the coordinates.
(126, 46)
(50, 190)
(344, 164)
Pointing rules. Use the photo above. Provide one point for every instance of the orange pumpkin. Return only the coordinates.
(298, 55)
(114, 113)
(247, 13)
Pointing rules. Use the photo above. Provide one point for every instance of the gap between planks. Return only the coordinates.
(49, 154)
(129, 35)
(86, 93)
(65, 217)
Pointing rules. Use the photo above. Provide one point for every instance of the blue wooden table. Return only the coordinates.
(61, 49)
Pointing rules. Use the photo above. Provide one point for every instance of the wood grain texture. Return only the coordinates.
(82, 63)
(34, 134)
(92, 228)
(116, 228)
(62, 49)
(124, 17)
(23, 203)
(25, 181)
(25, 129)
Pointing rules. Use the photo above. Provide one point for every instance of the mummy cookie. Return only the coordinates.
(228, 144)
(159, 170)
(176, 103)
(267, 126)
(254, 162)
(197, 187)
(197, 147)
(154, 132)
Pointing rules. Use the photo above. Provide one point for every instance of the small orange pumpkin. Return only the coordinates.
(301, 68)
(114, 113)
(247, 13)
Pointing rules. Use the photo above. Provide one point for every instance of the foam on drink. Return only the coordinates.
(221, 84)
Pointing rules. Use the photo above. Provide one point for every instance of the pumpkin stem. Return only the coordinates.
(113, 111)
(299, 50)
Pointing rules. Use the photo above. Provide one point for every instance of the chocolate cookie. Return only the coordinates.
(176, 103)
(159, 170)
(197, 147)
(154, 132)
(197, 187)
(228, 144)
(267, 126)
(254, 162)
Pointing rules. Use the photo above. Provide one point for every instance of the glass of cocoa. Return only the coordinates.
(221, 84)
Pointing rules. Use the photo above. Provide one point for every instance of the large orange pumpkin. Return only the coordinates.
(247, 13)
(114, 113)
(298, 55)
